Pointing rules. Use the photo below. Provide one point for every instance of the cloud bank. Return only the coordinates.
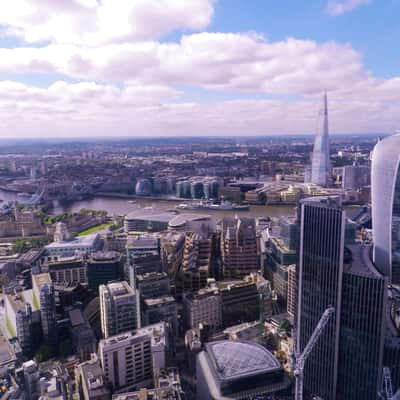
(115, 72)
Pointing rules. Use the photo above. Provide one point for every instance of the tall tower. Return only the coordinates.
(385, 193)
(346, 362)
(321, 165)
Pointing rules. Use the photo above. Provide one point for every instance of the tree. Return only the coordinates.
(44, 353)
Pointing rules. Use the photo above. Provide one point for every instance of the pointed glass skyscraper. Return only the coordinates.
(321, 165)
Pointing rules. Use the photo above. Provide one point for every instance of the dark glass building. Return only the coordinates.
(103, 267)
(346, 362)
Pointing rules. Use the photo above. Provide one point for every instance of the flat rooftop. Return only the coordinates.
(150, 215)
(79, 241)
(182, 219)
(361, 263)
(117, 289)
(42, 279)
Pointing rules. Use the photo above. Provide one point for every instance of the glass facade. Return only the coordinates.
(385, 195)
(320, 280)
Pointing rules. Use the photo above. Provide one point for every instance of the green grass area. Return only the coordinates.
(10, 328)
(93, 229)
(35, 302)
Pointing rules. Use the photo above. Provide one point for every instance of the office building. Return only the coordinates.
(90, 380)
(129, 359)
(31, 379)
(196, 262)
(321, 165)
(238, 370)
(67, 271)
(353, 177)
(239, 247)
(167, 387)
(240, 301)
(147, 221)
(44, 296)
(153, 284)
(103, 267)
(346, 362)
(143, 255)
(159, 309)
(69, 248)
(118, 308)
(203, 307)
(83, 338)
(19, 320)
(126, 360)
(385, 195)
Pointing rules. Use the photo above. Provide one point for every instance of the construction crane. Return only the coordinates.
(300, 359)
(387, 389)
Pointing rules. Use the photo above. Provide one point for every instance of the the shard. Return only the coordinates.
(321, 165)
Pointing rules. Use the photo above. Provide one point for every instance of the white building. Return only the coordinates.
(119, 308)
(128, 360)
(69, 248)
(203, 307)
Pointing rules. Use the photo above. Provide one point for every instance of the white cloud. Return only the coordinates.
(128, 79)
(92, 22)
(210, 60)
(336, 8)
(88, 108)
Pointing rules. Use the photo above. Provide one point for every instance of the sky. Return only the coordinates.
(73, 68)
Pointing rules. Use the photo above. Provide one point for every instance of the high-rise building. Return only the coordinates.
(126, 360)
(195, 263)
(160, 309)
(240, 301)
(346, 362)
(152, 284)
(90, 380)
(239, 247)
(43, 295)
(103, 267)
(203, 307)
(386, 207)
(130, 359)
(19, 320)
(118, 308)
(321, 165)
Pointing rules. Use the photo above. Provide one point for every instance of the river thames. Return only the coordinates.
(115, 206)
(122, 206)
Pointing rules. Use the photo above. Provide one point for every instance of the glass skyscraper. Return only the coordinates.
(386, 207)
(346, 362)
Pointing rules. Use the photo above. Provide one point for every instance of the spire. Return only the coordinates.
(321, 168)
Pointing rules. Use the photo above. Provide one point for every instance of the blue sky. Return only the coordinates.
(79, 67)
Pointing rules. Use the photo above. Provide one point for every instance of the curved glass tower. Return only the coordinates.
(385, 193)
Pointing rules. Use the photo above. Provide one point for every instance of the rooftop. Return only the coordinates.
(150, 215)
(119, 289)
(79, 241)
(158, 301)
(182, 219)
(361, 262)
(233, 360)
(41, 279)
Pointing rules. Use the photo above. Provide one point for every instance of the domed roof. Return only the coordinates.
(238, 359)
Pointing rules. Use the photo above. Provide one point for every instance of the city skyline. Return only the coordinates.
(196, 68)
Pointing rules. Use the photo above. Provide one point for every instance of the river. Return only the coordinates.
(122, 206)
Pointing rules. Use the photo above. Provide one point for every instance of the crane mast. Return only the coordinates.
(300, 359)
(387, 389)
